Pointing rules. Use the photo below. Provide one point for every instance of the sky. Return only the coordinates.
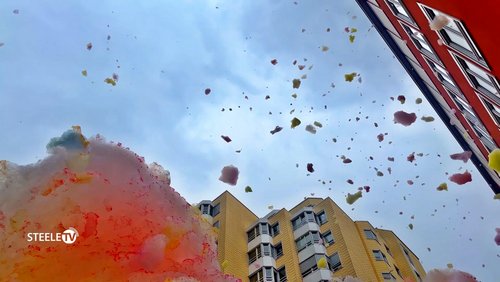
(166, 53)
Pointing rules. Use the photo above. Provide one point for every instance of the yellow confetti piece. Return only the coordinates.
(84, 72)
(110, 81)
(322, 263)
(224, 264)
(442, 187)
(350, 76)
(295, 122)
(449, 265)
(353, 29)
(496, 197)
(351, 38)
(296, 83)
(494, 160)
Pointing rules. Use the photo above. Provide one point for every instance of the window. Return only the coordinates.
(264, 228)
(455, 35)
(215, 210)
(480, 79)
(254, 232)
(254, 254)
(205, 209)
(441, 74)
(269, 273)
(275, 229)
(493, 109)
(217, 224)
(474, 121)
(408, 256)
(418, 276)
(370, 235)
(310, 265)
(398, 271)
(334, 262)
(388, 250)
(399, 10)
(257, 277)
(281, 275)
(420, 42)
(302, 219)
(388, 276)
(328, 238)
(378, 255)
(307, 239)
(266, 248)
(278, 251)
(322, 218)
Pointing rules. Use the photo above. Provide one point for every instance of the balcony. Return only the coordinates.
(262, 238)
(261, 262)
(316, 275)
(305, 227)
(311, 249)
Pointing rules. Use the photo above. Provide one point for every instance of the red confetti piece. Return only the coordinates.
(404, 118)
(461, 178)
(274, 62)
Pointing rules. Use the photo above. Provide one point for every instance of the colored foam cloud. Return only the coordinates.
(131, 224)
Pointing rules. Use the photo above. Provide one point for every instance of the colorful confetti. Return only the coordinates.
(229, 175)
(351, 198)
(91, 187)
(295, 122)
(494, 160)
(349, 77)
(461, 178)
(465, 156)
(404, 118)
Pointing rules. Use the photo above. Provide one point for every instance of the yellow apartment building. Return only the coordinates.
(286, 245)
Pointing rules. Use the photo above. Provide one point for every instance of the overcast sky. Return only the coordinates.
(166, 53)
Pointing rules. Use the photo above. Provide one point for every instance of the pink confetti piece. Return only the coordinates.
(465, 156)
(404, 118)
(229, 175)
(497, 238)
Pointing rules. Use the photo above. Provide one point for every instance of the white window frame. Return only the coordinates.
(473, 53)
(493, 82)
(406, 18)
(447, 83)
(421, 41)
(492, 108)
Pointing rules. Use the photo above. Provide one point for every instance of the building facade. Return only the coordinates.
(455, 64)
(314, 241)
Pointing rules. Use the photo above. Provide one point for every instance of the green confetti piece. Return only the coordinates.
(351, 38)
(410, 226)
(427, 119)
(84, 72)
(248, 189)
(351, 198)
(318, 124)
(418, 101)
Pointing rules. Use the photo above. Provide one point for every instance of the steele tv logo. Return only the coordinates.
(68, 236)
